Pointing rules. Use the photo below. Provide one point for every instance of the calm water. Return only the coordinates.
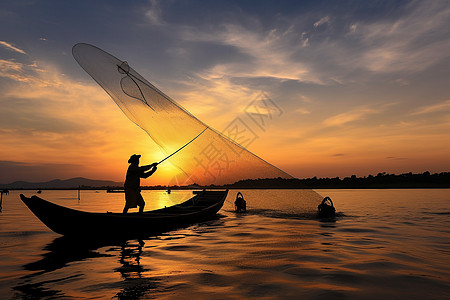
(391, 244)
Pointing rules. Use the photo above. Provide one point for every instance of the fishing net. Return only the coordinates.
(208, 157)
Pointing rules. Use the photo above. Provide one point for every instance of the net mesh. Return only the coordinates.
(210, 158)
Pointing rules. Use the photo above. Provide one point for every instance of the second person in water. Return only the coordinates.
(133, 197)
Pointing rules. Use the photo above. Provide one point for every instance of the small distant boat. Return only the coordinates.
(71, 222)
(39, 192)
(115, 191)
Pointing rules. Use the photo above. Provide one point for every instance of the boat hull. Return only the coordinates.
(71, 222)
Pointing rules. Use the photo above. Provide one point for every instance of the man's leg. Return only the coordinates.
(141, 203)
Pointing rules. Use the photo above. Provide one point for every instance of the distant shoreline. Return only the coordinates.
(380, 181)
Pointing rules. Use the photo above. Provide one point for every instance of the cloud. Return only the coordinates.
(350, 116)
(291, 48)
(302, 111)
(255, 60)
(322, 21)
(439, 107)
(396, 158)
(153, 13)
(411, 43)
(49, 118)
(11, 47)
(353, 51)
(270, 53)
(358, 50)
(305, 40)
(338, 154)
(22, 72)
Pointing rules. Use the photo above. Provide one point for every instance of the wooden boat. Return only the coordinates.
(71, 222)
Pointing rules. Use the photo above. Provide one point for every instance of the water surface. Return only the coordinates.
(383, 244)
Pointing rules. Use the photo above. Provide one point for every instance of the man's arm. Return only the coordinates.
(147, 167)
(149, 173)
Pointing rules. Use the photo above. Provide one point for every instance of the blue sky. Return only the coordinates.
(363, 86)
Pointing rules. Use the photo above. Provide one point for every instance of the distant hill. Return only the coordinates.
(72, 183)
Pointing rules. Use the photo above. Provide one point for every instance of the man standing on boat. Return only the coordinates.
(133, 197)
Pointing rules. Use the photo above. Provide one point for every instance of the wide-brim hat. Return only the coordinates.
(133, 158)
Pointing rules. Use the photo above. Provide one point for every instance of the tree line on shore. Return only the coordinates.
(381, 180)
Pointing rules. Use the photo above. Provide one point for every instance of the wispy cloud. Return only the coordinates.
(439, 107)
(11, 47)
(305, 40)
(153, 13)
(302, 111)
(412, 42)
(350, 116)
(269, 52)
(20, 71)
(322, 21)
(338, 154)
(396, 158)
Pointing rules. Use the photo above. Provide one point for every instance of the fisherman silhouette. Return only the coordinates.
(133, 197)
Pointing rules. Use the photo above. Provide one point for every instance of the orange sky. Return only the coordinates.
(370, 98)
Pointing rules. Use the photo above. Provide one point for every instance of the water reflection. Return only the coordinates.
(135, 285)
(62, 252)
(29, 290)
(285, 214)
(130, 258)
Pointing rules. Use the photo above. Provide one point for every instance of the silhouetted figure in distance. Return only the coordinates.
(133, 197)
(6, 192)
(326, 208)
(240, 204)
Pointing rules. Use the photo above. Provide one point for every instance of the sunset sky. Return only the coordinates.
(361, 86)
